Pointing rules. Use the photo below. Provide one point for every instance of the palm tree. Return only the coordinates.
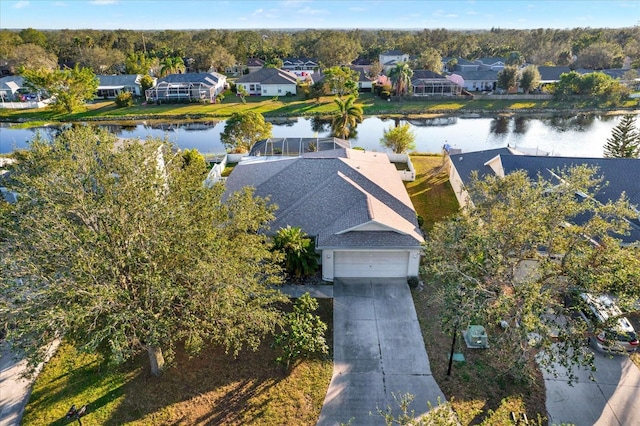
(172, 65)
(301, 258)
(401, 78)
(346, 118)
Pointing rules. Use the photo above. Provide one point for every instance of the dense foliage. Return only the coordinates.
(69, 88)
(243, 129)
(508, 261)
(625, 139)
(300, 257)
(595, 48)
(118, 247)
(399, 139)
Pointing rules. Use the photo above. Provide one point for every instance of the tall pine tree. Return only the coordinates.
(625, 139)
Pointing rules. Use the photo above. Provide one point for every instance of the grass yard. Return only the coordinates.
(479, 391)
(210, 388)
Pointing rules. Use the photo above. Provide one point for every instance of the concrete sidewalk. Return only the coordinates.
(608, 397)
(378, 350)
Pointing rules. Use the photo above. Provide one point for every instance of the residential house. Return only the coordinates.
(489, 63)
(255, 64)
(9, 87)
(269, 82)
(391, 58)
(351, 202)
(363, 63)
(365, 84)
(429, 83)
(460, 65)
(110, 86)
(478, 81)
(551, 74)
(621, 174)
(301, 67)
(204, 86)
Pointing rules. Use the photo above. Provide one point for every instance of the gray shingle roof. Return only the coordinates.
(269, 76)
(124, 80)
(329, 193)
(209, 78)
(488, 75)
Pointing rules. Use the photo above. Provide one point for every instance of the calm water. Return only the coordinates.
(578, 136)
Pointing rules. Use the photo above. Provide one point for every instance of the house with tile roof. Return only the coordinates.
(203, 86)
(269, 82)
(353, 203)
(622, 175)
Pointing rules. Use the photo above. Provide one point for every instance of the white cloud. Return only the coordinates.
(21, 4)
(309, 11)
(103, 2)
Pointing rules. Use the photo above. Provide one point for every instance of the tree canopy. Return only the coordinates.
(341, 81)
(69, 88)
(346, 118)
(517, 250)
(399, 139)
(243, 129)
(625, 139)
(529, 78)
(118, 247)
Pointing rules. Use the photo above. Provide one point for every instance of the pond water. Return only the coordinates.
(579, 136)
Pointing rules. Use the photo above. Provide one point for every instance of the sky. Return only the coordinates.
(291, 14)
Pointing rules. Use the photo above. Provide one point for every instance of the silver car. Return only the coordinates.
(612, 331)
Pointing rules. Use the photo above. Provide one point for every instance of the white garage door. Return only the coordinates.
(370, 263)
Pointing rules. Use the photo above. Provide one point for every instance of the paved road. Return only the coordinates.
(378, 350)
(612, 398)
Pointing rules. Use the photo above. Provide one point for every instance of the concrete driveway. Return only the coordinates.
(378, 350)
(612, 398)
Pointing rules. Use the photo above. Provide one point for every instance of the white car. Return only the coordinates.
(612, 331)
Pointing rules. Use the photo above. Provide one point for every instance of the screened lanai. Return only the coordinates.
(296, 146)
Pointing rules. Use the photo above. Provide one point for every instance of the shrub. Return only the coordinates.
(302, 333)
(124, 99)
(413, 282)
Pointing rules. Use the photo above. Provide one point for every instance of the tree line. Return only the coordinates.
(117, 51)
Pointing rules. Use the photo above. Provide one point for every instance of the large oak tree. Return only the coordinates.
(516, 251)
(117, 247)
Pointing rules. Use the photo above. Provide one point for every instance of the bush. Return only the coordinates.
(302, 333)
(124, 99)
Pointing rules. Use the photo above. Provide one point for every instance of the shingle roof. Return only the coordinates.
(552, 73)
(329, 193)
(489, 75)
(269, 76)
(362, 74)
(209, 78)
(392, 53)
(620, 174)
(117, 80)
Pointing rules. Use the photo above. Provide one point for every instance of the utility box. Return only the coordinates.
(475, 336)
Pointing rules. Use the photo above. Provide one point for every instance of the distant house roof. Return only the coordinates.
(487, 75)
(488, 60)
(11, 83)
(255, 62)
(296, 146)
(208, 78)
(362, 74)
(269, 76)
(551, 74)
(118, 81)
(361, 62)
(290, 61)
(393, 53)
(621, 174)
(329, 194)
(426, 75)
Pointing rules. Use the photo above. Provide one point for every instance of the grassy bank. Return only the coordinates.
(297, 106)
(210, 388)
(479, 391)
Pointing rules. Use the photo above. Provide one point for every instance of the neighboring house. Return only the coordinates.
(110, 86)
(621, 174)
(269, 82)
(362, 62)
(551, 74)
(461, 65)
(429, 83)
(301, 67)
(391, 58)
(351, 202)
(493, 64)
(477, 81)
(295, 146)
(255, 64)
(9, 87)
(204, 86)
(365, 84)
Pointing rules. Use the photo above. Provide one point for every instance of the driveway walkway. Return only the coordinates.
(378, 350)
(611, 399)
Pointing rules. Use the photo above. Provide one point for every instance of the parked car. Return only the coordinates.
(612, 332)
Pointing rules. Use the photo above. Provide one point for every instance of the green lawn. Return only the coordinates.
(210, 388)
(296, 106)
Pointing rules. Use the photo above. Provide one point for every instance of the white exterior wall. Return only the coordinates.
(456, 184)
(278, 89)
